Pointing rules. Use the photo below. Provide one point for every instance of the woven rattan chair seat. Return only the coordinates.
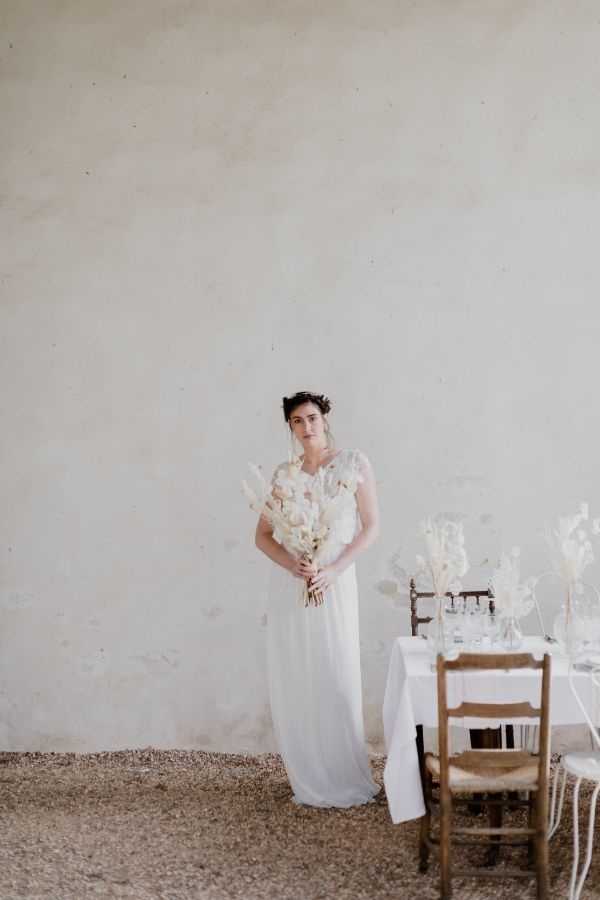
(488, 770)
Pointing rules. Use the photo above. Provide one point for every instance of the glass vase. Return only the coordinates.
(437, 635)
(511, 636)
(567, 628)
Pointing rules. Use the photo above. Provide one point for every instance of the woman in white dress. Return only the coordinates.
(314, 652)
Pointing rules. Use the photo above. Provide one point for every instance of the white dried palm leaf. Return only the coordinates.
(445, 559)
(511, 597)
(570, 548)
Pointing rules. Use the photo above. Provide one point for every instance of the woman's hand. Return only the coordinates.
(301, 568)
(324, 578)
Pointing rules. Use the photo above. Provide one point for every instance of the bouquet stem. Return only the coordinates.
(312, 597)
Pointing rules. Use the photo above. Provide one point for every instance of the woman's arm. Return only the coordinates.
(368, 510)
(265, 541)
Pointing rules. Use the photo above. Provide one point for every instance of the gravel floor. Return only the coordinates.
(176, 825)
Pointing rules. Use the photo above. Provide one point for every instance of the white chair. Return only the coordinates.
(582, 766)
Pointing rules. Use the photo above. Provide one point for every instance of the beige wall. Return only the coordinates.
(208, 205)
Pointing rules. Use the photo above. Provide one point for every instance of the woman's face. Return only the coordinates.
(308, 424)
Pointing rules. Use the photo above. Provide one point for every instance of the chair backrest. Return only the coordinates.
(478, 662)
(595, 679)
(415, 596)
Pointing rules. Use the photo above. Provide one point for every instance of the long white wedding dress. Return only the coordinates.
(314, 668)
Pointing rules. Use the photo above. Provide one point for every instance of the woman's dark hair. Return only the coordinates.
(290, 403)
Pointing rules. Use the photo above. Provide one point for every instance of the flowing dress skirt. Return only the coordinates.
(316, 693)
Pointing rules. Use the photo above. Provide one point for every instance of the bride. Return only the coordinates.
(313, 652)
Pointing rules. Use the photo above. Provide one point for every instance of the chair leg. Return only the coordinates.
(445, 823)
(531, 824)
(590, 844)
(423, 845)
(425, 828)
(492, 739)
(475, 807)
(495, 820)
(542, 861)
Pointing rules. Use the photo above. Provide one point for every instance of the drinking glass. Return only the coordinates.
(473, 625)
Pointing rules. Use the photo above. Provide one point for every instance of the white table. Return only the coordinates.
(411, 700)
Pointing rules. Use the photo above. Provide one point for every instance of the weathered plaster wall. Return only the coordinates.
(208, 205)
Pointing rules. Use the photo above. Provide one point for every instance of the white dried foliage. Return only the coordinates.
(570, 548)
(512, 598)
(445, 560)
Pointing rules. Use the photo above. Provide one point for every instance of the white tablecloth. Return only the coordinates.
(411, 700)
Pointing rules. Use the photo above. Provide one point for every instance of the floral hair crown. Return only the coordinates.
(290, 403)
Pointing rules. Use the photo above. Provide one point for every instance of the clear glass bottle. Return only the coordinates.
(511, 636)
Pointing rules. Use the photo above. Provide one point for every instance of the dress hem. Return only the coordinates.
(332, 804)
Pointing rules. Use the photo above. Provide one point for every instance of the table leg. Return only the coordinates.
(426, 819)
(421, 754)
(510, 737)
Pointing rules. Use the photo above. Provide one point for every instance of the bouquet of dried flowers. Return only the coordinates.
(305, 520)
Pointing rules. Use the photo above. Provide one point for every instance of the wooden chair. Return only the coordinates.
(415, 596)
(480, 738)
(491, 771)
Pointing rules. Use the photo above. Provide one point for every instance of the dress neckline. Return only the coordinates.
(322, 466)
